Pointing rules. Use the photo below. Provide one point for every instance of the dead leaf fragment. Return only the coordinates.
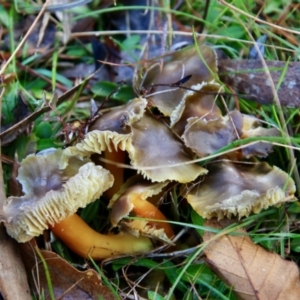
(67, 282)
(253, 272)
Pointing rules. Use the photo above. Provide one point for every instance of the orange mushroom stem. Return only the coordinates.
(132, 197)
(114, 157)
(145, 209)
(86, 242)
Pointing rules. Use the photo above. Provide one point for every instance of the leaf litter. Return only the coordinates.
(253, 272)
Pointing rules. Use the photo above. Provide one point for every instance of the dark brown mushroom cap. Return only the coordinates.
(55, 187)
(239, 189)
(205, 137)
(174, 67)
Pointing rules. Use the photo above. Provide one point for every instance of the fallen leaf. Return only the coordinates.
(67, 282)
(253, 272)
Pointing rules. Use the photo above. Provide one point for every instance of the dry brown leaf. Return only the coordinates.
(253, 272)
(64, 277)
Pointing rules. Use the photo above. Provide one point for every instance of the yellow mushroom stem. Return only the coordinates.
(145, 209)
(86, 242)
(114, 157)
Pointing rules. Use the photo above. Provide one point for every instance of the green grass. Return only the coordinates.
(187, 276)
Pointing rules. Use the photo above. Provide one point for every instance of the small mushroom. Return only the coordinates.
(115, 128)
(173, 67)
(252, 128)
(55, 187)
(205, 137)
(133, 196)
(199, 102)
(111, 134)
(239, 189)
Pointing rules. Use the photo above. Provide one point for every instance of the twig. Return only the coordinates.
(61, 7)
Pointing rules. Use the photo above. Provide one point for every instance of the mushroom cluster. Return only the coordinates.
(159, 136)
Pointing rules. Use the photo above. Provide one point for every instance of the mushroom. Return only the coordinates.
(55, 186)
(173, 67)
(153, 148)
(240, 188)
(159, 155)
(205, 137)
(111, 134)
(252, 128)
(133, 196)
(199, 102)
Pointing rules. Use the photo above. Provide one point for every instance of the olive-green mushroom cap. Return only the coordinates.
(239, 189)
(205, 137)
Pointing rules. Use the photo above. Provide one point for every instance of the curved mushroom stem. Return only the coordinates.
(145, 209)
(86, 242)
(115, 156)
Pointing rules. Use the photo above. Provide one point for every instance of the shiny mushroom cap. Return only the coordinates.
(239, 189)
(199, 102)
(54, 188)
(159, 155)
(252, 128)
(171, 69)
(205, 137)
